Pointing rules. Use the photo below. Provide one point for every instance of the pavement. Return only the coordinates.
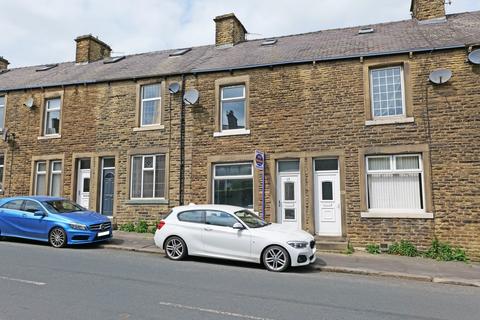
(416, 268)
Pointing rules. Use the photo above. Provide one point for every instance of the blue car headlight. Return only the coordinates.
(298, 244)
(78, 226)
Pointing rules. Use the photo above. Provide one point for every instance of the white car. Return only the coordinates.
(229, 232)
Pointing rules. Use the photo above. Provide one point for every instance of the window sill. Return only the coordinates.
(392, 120)
(51, 136)
(147, 201)
(236, 132)
(149, 128)
(407, 215)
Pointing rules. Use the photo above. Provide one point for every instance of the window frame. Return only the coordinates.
(45, 115)
(3, 108)
(393, 170)
(52, 173)
(235, 99)
(142, 156)
(239, 177)
(49, 161)
(402, 83)
(2, 166)
(142, 100)
(37, 173)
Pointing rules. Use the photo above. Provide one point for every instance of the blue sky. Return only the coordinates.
(43, 31)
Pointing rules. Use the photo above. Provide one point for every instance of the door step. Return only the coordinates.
(331, 244)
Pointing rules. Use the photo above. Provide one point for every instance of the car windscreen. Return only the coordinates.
(62, 206)
(250, 219)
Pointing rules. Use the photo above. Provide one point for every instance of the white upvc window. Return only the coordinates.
(55, 178)
(233, 108)
(2, 164)
(387, 92)
(395, 183)
(2, 112)
(150, 108)
(233, 184)
(52, 116)
(148, 177)
(40, 178)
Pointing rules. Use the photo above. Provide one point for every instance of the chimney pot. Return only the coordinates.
(228, 30)
(428, 9)
(90, 49)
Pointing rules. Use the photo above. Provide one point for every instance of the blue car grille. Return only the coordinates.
(101, 226)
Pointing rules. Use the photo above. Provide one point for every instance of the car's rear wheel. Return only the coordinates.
(57, 238)
(276, 259)
(175, 248)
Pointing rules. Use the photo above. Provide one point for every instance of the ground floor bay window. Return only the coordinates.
(233, 184)
(395, 183)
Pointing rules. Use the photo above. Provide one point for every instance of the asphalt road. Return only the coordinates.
(40, 282)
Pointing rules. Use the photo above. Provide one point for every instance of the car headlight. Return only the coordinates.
(298, 244)
(78, 226)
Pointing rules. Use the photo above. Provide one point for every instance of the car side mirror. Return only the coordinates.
(39, 213)
(238, 226)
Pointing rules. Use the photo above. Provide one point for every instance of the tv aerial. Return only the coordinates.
(191, 96)
(440, 76)
(474, 56)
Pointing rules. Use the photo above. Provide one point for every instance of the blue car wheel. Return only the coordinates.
(57, 238)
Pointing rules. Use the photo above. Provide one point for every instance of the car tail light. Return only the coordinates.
(160, 225)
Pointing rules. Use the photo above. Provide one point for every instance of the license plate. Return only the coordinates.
(104, 233)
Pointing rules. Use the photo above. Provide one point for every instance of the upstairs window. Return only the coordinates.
(52, 116)
(2, 112)
(232, 107)
(388, 95)
(150, 105)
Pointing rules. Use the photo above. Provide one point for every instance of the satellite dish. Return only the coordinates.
(440, 76)
(174, 87)
(474, 57)
(29, 103)
(190, 96)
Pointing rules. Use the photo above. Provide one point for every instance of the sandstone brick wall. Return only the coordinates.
(428, 9)
(228, 30)
(90, 49)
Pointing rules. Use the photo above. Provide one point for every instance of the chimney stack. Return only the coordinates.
(228, 30)
(3, 63)
(90, 49)
(428, 9)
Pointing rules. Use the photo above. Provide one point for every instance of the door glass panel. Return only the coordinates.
(289, 166)
(289, 191)
(108, 162)
(14, 204)
(326, 164)
(86, 185)
(327, 190)
(218, 218)
(84, 164)
(191, 216)
(32, 206)
(289, 214)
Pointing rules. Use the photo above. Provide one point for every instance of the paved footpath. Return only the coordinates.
(459, 273)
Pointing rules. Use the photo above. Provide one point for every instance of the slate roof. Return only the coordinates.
(458, 31)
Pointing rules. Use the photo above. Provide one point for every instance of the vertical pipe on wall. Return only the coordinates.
(182, 145)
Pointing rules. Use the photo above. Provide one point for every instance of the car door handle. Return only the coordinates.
(24, 215)
(207, 229)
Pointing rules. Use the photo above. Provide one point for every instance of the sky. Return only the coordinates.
(37, 32)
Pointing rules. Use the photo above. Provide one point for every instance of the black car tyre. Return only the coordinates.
(57, 238)
(276, 259)
(175, 248)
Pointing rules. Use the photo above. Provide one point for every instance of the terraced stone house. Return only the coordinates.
(360, 146)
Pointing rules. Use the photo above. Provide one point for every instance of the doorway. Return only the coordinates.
(288, 194)
(83, 183)
(107, 186)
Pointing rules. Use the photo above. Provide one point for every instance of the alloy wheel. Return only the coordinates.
(58, 238)
(175, 248)
(276, 259)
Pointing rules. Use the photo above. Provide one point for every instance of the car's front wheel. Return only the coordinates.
(175, 248)
(57, 238)
(276, 258)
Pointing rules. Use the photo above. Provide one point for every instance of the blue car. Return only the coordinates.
(58, 221)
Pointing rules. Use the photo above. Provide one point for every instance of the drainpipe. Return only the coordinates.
(182, 145)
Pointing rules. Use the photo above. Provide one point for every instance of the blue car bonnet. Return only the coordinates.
(85, 217)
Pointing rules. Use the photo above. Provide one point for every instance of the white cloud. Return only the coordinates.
(42, 31)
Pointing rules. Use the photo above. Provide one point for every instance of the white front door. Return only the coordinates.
(328, 215)
(83, 187)
(288, 211)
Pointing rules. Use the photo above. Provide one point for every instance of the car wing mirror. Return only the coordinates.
(39, 213)
(238, 226)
